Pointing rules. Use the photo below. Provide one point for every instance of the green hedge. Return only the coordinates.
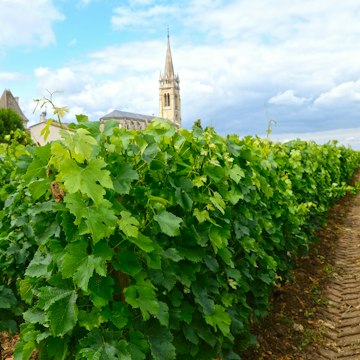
(158, 244)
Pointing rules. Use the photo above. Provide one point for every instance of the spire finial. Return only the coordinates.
(168, 32)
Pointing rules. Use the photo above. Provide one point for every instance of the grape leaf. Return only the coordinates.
(7, 298)
(90, 179)
(60, 307)
(143, 296)
(219, 319)
(125, 176)
(169, 223)
(172, 254)
(80, 265)
(143, 242)
(39, 265)
(161, 344)
(101, 290)
(128, 224)
(81, 144)
(99, 221)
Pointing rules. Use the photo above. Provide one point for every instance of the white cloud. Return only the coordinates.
(347, 137)
(232, 57)
(130, 17)
(62, 80)
(345, 92)
(287, 98)
(26, 22)
(9, 76)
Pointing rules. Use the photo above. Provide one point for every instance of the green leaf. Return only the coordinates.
(172, 254)
(80, 269)
(63, 315)
(90, 179)
(203, 299)
(99, 221)
(26, 346)
(7, 298)
(127, 262)
(125, 176)
(183, 199)
(39, 187)
(120, 315)
(218, 202)
(236, 173)
(201, 216)
(56, 348)
(49, 295)
(101, 290)
(81, 118)
(163, 315)
(169, 223)
(128, 224)
(219, 319)
(81, 144)
(92, 319)
(34, 316)
(26, 289)
(143, 242)
(60, 307)
(78, 264)
(143, 296)
(39, 265)
(161, 344)
(218, 238)
(38, 167)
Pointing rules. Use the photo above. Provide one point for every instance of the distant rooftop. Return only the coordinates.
(116, 114)
(8, 101)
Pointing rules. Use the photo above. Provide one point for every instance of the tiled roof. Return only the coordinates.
(116, 114)
(8, 101)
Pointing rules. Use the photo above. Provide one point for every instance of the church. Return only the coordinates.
(169, 100)
(169, 106)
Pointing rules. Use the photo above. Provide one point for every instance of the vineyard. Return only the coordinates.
(160, 244)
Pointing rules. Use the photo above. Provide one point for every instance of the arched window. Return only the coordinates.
(166, 99)
(176, 102)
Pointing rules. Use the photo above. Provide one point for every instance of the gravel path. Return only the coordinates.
(342, 314)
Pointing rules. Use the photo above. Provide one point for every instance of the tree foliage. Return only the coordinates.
(161, 244)
(10, 121)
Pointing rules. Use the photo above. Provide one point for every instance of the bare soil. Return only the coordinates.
(318, 316)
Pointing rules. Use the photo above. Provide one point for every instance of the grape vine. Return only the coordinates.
(161, 244)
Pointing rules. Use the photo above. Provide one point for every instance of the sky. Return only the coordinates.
(243, 64)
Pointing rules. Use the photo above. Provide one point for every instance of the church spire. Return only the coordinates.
(169, 90)
(169, 67)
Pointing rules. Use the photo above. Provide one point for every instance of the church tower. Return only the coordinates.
(169, 91)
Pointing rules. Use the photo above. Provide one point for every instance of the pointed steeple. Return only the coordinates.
(169, 91)
(169, 67)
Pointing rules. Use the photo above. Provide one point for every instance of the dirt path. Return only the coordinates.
(342, 314)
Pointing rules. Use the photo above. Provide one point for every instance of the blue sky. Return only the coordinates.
(240, 62)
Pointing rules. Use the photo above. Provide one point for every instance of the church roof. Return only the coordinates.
(116, 114)
(8, 101)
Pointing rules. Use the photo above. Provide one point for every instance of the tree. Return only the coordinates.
(10, 121)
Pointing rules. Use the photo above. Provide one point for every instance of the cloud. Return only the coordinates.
(287, 98)
(347, 137)
(9, 76)
(345, 92)
(134, 17)
(232, 58)
(61, 80)
(25, 23)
